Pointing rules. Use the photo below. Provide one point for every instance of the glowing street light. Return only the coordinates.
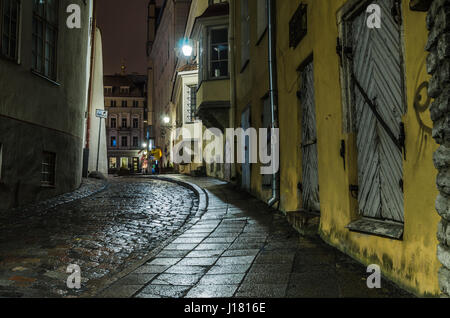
(187, 50)
(166, 120)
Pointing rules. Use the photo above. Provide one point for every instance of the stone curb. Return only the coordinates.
(201, 210)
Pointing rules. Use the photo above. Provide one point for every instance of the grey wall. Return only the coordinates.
(38, 115)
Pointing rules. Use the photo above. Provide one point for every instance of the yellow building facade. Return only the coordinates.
(409, 259)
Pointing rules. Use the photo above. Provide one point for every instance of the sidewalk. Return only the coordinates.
(242, 248)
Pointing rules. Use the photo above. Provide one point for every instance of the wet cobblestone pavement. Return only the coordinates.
(102, 233)
(241, 248)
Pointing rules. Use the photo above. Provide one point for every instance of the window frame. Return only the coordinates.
(209, 57)
(113, 119)
(113, 138)
(135, 120)
(189, 113)
(16, 57)
(126, 141)
(55, 27)
(52, 169)
(135, 138)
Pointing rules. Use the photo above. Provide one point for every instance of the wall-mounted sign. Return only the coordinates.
(100, 113)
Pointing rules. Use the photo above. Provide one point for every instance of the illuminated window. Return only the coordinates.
(112, 163)
(124, 163)
(113, 142)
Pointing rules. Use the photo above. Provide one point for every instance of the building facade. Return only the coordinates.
(125, 101)
(42, 99)
(352, 97)
(170, 28)
(356, 142)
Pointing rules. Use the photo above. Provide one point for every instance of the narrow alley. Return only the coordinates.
(220, 244)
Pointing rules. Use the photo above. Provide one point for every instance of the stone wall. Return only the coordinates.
(438, 64)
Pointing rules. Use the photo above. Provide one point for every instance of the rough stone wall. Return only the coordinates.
(438, 64)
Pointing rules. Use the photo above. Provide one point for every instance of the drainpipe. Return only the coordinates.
(231, 35)
(273, 89)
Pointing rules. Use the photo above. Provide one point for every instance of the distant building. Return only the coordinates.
(126, 103)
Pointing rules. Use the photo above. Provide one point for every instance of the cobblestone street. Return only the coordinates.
(151, 238)
(242, 248)
(102, 233)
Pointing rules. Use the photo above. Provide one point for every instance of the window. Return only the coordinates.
(113, 122)
(124, 163)
(135, 103)
(124, 103)
(245, 33)
(48, 169)
(108, 90)
(9, 26)
(113, 103)
(112, 163)
(45, 34)
(124, 141)
(191, 104)
(135, 123)
(219, 53)
(124, 123)
(261, 23)
(113, 142)
(124, 90)
(135, 141)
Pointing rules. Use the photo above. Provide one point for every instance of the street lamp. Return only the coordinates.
(187, 50)
(166, 120)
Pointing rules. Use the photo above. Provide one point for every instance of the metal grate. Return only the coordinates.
(48, 168)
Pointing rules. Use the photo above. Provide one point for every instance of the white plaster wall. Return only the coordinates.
(97, 103)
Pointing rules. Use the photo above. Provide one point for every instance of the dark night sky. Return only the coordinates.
(123, 24)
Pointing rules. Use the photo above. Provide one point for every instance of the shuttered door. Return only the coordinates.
(377, 65)
(310, 177)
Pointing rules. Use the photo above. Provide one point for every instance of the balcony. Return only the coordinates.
(214, 103)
